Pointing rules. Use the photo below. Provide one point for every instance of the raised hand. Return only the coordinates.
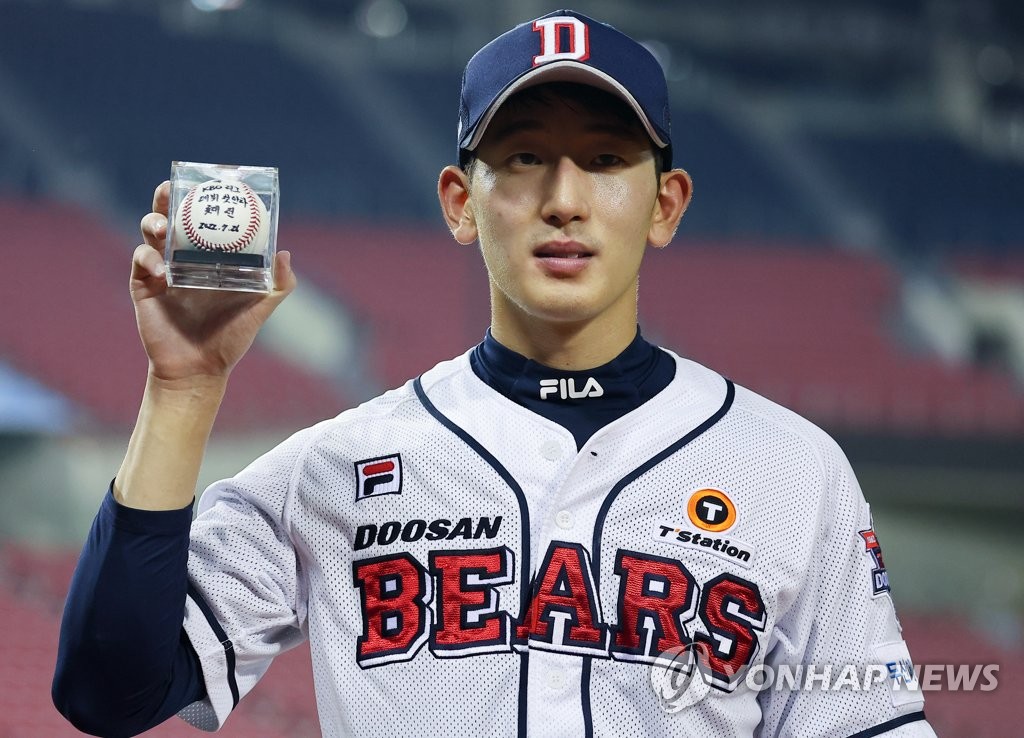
(191, 334)
(193, 339)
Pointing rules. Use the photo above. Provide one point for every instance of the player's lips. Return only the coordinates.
(563, 258)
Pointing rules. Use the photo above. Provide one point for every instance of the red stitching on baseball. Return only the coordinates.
(186, 219)
(255, 221)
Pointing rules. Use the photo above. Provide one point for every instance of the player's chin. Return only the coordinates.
(563, 304)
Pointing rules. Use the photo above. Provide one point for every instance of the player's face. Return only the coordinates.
(563, 199)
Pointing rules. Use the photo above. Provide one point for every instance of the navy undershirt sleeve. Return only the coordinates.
(124, 663)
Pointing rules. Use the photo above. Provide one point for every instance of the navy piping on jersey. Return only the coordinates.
(524, 512)
(730, 394)
(910, 717)
(218, 631)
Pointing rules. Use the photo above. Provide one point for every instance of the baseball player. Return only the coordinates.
(564, 531)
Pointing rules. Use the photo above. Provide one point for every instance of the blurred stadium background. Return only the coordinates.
(854, 250)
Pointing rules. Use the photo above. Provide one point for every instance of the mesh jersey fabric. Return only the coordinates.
(492, 500)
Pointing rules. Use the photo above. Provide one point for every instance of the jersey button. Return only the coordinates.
(551, 450)
(556, 680)
(564, 519)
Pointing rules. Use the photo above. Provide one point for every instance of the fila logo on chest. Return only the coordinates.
(566, 389)
(379, 476)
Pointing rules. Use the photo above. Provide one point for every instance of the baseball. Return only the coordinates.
(223, 215)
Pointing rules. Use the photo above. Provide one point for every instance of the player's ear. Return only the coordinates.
(453, 192)
(673, 197)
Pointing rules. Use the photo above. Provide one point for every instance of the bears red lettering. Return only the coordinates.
(732, 610)
(394, 592)
(656, 595)
(468, 618)
(564, 613)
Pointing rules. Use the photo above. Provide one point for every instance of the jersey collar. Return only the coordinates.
(581, 401)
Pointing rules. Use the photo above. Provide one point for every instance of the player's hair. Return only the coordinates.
(589, 99)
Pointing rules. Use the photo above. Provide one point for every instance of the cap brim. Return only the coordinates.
(563, 71)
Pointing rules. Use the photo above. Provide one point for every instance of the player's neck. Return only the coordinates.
(568, 346)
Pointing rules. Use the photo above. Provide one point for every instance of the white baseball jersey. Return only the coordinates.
(460, 569)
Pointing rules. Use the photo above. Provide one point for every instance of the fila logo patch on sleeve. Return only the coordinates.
(894, 659)
(379, 476)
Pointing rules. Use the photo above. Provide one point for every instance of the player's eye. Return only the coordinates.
(524, 158)
(607, 160)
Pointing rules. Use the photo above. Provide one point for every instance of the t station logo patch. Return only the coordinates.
(379, 476)
(711, 510)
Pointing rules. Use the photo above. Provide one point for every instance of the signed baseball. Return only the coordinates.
(223, 215)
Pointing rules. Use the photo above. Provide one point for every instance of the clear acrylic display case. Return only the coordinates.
(222, 227)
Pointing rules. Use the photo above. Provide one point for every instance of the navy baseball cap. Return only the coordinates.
(563, 46)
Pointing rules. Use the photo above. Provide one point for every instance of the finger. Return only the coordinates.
(284, 277)
(154, 230)
(147, 267)
(284, 283)
(162, 197)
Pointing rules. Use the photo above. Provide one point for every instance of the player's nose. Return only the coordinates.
(565, 193)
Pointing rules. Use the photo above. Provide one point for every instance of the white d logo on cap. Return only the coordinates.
(550, 39)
